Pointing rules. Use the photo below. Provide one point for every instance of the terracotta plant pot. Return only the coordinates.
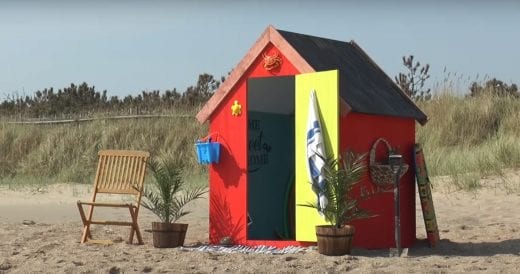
(168, 235)
(334, 241)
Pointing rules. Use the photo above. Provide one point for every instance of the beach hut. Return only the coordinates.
(259, 116)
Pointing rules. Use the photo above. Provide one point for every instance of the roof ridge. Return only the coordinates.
(313, 36)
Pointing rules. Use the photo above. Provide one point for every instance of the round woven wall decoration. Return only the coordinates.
(271, 62)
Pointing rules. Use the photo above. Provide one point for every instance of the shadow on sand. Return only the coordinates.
(445, 247)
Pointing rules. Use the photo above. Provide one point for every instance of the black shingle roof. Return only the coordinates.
(363, 85)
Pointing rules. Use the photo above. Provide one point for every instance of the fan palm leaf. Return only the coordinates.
(341, 175)
(167, 196)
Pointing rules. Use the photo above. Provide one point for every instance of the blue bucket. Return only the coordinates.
(207, 152)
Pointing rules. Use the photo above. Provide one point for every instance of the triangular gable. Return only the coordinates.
(270, 35)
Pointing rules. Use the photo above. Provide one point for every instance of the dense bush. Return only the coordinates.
(85, 100)
(494, 87)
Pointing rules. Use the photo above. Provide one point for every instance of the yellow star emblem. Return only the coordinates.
(236, 109)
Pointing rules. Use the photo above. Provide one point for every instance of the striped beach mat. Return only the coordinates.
(261, 249)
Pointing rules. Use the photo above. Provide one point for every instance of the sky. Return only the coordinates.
(126, 47)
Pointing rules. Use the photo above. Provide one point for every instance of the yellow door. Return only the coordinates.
(325, 84)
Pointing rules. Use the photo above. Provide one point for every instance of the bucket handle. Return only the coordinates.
(208, 138)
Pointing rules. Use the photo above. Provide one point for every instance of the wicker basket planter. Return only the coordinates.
(381, 173)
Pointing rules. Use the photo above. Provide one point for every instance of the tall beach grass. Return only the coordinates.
(465, 139)
(469, 138)
(44, 154)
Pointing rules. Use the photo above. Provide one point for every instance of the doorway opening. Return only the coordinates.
(271, 160)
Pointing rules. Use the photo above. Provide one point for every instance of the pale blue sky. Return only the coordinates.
(129, 46)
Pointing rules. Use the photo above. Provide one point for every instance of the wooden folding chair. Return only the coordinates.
(118, 172)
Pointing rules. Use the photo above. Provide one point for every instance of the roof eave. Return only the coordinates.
(233, 77)
(421, 121)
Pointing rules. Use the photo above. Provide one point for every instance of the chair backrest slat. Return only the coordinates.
(112, 171)
(103, 180)
(121, 171)
(130, 169)
(118, 184)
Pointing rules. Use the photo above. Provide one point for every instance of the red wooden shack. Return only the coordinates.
(254, 115)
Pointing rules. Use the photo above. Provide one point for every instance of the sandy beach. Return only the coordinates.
(40, 231)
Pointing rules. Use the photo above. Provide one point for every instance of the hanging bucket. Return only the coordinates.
(208, 152)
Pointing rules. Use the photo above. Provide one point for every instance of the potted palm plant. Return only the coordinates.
(167, 197)
(341, 175)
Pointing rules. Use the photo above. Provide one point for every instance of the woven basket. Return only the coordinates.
(381, 174)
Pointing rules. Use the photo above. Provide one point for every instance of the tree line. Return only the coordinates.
(413, 79)
(85, 100)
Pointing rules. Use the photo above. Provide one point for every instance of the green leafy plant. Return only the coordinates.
(167, 196)
(341, 175)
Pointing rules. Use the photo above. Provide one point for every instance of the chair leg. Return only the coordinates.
(135, 227)
(138, 234)
(86, 231)
(132, 227)
(86, 222)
